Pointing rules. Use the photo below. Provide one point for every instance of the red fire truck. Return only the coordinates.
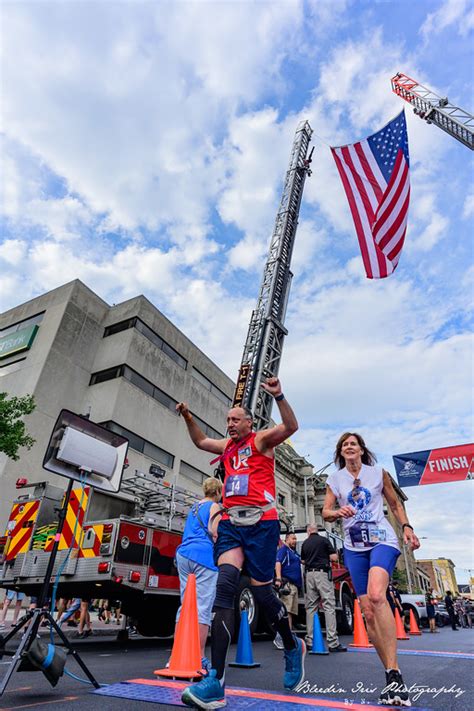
(119, 547)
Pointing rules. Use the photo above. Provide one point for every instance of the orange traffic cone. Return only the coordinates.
(185, 660)
(414, 629)
(401, 634)
(361, 638)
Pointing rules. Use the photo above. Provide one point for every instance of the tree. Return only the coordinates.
(399, 577)
(13, 434)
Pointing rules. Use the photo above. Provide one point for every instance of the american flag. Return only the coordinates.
(376, 178)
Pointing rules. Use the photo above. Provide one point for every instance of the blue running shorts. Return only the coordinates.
(360, 562)
(258, 542)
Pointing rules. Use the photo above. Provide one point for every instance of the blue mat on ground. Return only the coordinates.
(420, 653)
(170, 694)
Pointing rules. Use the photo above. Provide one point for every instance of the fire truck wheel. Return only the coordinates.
(245, 600)
(158, 617)
(346, 617)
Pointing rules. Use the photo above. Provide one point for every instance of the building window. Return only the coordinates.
(146, 331)
(31, 321)
(108, 374)
(211, 387)
(123, 371)
(191, 472)
(281, 499)
(118, 327)
(142, 445)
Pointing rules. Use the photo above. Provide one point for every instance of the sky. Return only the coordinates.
(144, 147)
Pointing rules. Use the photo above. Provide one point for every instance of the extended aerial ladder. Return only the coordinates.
(436, 109)
(264, 344)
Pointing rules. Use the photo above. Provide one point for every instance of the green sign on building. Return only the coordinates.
(17, 342)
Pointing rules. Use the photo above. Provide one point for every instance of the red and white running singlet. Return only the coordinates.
(249, 477)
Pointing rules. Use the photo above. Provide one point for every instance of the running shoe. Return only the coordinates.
(206, 666)
(278, 642)
(206, 694)
(395, 692)
(294, 664)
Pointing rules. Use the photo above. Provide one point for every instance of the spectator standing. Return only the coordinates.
(469, 611)
(9, 597)
(288, 580)
(73, 606)
(394, 598)
(196, 555)
(85, 628)
(448, 601)
(317, 553)
(460, 610)
(430, 611)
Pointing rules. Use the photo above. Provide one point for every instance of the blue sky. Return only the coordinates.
(144, 148)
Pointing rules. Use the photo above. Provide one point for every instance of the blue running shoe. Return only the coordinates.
(294, 664)
(206, 694)
(206, 666)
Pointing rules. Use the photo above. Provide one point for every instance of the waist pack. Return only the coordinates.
(247, 515)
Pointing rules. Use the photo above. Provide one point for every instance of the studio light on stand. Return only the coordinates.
(83, 451)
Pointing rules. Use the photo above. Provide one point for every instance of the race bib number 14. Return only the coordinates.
(237, 485)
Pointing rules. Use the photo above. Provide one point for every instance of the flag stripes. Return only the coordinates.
(375, 177)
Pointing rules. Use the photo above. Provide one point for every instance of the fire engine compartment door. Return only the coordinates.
(162, 572)
(131, 545)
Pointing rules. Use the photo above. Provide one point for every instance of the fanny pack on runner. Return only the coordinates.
(244, 515)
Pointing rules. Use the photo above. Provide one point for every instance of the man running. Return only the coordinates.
(248, 533)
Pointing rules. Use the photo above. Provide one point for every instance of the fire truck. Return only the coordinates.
(113, 546)
(122, 547)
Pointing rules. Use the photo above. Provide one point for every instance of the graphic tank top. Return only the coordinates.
(249, 477)
(368, 526)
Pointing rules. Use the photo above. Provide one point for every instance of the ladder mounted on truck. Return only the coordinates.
(158, 502)
(436, 109)
(264, 344)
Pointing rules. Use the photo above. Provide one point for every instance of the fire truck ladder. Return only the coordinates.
(158, 502)
(435, 109)
(264, 344)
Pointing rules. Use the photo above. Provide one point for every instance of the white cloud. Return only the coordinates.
(468, 209)
(451, 12)
(13, 251)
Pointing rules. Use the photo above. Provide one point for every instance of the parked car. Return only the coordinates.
(417, 603)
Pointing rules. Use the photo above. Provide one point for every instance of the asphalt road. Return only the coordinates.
(354, 676)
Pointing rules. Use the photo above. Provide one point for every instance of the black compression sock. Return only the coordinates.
(222, 630)
(284, 629)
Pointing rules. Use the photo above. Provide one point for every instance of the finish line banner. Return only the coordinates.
(435, 466)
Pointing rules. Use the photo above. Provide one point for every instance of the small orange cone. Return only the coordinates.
(401, 634)
(414, 629)
(185, 660)
(361, 638)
